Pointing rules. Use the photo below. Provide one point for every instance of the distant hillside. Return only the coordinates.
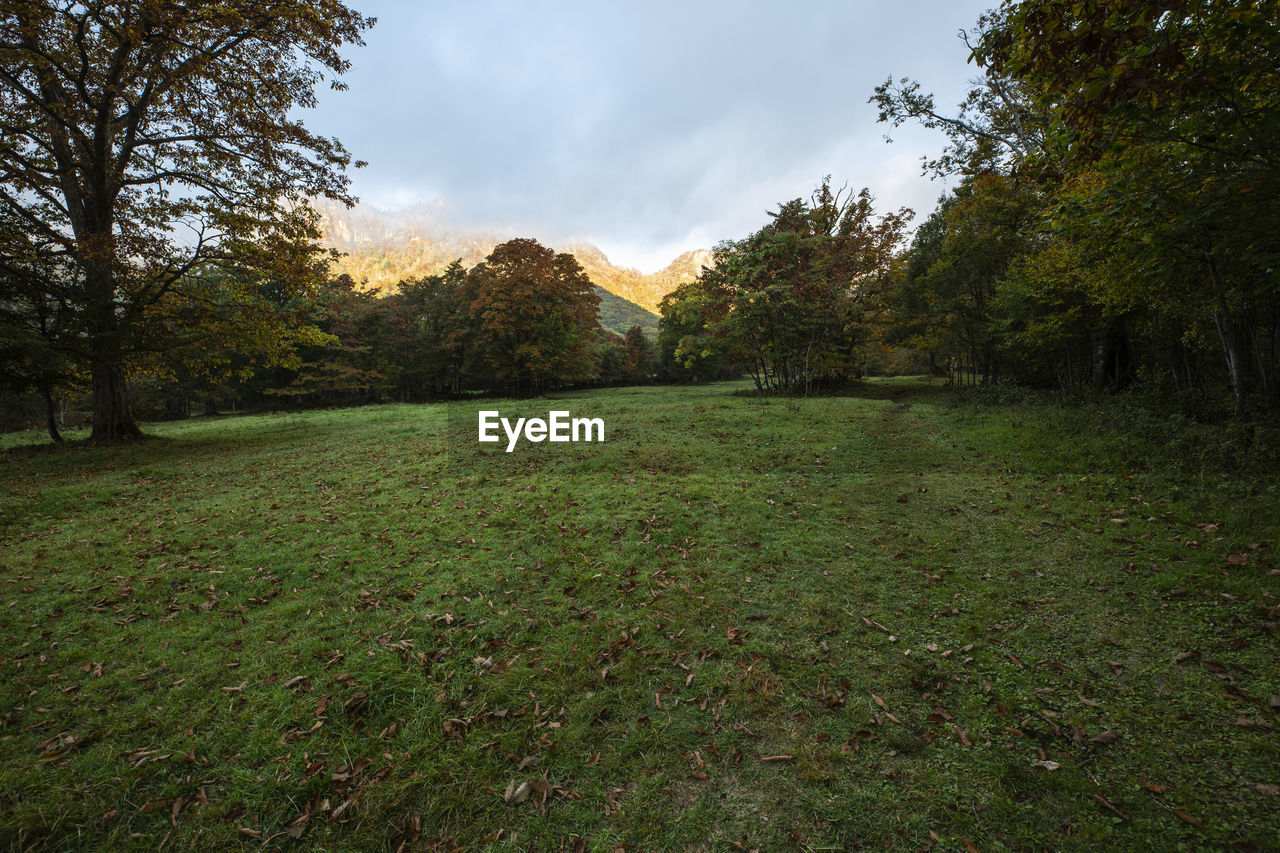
(383, 249)
(633, 285)
(618, 314)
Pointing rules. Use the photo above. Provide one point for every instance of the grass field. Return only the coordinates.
(874, 621)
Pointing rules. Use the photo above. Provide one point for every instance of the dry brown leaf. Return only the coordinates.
(1186, 818)
(514, 794)
(1183, 656)
(777, 758)
(962, 735)
(1109, 736)
(1267, 790)
(1107, 804)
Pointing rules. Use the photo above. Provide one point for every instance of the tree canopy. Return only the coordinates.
(142, 142)
(794, 302)
(1148, 206)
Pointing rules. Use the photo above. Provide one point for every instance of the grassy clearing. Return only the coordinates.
(874, 621)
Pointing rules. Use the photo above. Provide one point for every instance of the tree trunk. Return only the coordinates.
(1101, 345)
(50, 420)
(112, 415)
(1228, 334)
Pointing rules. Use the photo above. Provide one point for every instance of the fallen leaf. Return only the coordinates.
(1107, 804)
(1109, 736)
(776, 758)
(1156, 789)
(1186, 818)
(962, 735)
(516, 794)
(1267, 790)
(298, 826)
(1047, 765)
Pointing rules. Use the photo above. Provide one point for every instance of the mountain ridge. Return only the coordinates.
(384, 248)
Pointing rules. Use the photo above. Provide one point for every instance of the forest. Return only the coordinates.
(1113, 226)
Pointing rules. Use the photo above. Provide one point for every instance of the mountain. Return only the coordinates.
(382, 249)
(644, 290)
(618, 314)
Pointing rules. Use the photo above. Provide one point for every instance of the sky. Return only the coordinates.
(647, 128)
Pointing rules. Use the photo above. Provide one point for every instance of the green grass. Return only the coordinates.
(360, 629)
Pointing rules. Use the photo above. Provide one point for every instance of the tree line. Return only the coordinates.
(522, 322)
(1114, 223)
(158, 242)
(1117, 216)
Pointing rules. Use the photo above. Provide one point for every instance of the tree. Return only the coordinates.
(692, 345)
(638, 359)
(432, 334)
(797, 295)
(140, 140)
(533, 319)
(1176, 107)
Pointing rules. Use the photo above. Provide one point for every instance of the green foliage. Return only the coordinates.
(143, 141)
(532, 316)
(1149, 248)
(793, 302)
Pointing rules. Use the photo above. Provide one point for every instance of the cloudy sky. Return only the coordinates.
(647, 128)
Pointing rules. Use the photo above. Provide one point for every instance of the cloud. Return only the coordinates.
(643, 128)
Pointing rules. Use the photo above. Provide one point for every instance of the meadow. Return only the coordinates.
(881, 620)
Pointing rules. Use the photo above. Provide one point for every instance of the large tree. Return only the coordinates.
(792, 302)
(533, 317)
(141, 140)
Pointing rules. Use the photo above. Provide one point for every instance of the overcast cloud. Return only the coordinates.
(646, 128)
